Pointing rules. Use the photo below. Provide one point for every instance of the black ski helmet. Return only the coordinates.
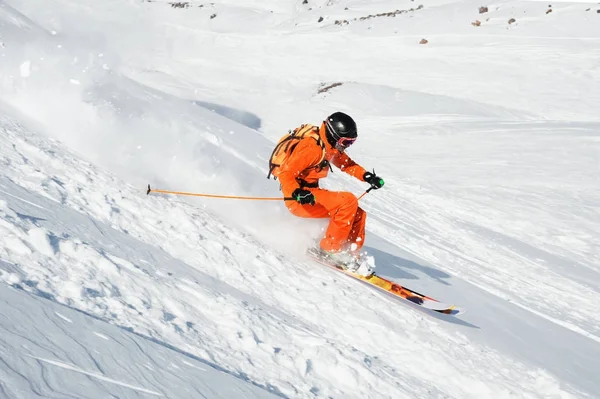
(340, 128)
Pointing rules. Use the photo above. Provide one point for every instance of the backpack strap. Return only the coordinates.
(314, 134)
(323, 152)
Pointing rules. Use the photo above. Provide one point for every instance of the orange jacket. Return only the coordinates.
(299, 165)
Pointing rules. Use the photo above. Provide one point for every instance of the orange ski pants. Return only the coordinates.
(346, 219)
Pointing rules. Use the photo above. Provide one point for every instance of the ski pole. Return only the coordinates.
(153, 190)
(365, 193)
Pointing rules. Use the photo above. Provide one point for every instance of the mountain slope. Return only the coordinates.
(489, 152)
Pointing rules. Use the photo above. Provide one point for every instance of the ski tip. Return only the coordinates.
(443, 308)
(453, 311)
(458, 311)
(149, 189)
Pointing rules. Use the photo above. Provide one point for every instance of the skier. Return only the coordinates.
(303, 157)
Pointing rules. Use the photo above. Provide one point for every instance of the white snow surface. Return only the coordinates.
(488, 138)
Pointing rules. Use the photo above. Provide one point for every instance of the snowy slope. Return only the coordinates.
(53, 351)
(487, 137)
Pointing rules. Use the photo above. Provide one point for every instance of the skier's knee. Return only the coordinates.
(349, 200)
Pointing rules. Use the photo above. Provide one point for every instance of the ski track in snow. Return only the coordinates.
(95, 375)
(491, 161)
(539, 260)
(43, 356)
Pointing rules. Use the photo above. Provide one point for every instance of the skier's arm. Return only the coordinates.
(347, 165)
(306, 154)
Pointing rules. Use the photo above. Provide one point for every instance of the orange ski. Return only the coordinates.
(394, 289)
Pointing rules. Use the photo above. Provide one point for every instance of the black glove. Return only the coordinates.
(303, 196)
(374, 180)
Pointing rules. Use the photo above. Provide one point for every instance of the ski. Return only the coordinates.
(394, 289)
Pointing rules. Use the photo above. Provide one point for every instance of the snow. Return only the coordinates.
(487, 138)
(48, 354)
(26, 69)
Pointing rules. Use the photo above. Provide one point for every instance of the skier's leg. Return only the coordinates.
(342, 207)
(357, 233)
(307, 211)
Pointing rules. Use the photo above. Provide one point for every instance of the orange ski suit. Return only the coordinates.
(347, 219)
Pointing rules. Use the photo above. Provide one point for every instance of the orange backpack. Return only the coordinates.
(287, 144)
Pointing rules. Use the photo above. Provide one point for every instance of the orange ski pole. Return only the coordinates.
(153, 190)
(365, 193)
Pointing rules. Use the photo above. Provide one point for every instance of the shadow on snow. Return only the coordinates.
(393, 266)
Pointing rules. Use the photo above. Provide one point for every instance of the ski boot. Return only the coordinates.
(346, 260)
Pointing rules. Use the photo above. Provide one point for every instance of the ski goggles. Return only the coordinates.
(345, 142)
